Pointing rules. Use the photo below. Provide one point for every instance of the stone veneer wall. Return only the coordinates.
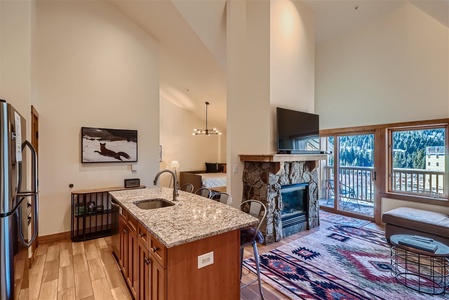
(262, 182)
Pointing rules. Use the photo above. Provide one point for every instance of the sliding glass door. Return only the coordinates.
(348, 174)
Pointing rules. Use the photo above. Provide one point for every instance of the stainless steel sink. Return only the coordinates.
(153, 203)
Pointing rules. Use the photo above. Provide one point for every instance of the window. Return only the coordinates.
(414, 169)
(370, 164)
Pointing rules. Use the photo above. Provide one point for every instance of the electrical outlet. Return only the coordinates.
(205, 260)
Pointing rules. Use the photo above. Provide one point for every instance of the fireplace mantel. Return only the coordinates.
(282, 157)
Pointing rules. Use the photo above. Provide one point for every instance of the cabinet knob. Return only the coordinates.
(155, 249)
(147, 261)
(142, 235)
(125, 231)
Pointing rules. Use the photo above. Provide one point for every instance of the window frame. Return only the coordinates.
(410, 196)
(383, 159)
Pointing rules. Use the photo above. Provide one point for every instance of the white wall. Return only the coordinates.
(178, 143)
(208, 21)
(292, 59)
(248, 106)
(292, 56)
(15, 56)
(393, 70)
(16, 18)
(270, 63)
(94, 68)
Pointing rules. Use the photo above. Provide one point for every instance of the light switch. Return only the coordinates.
(235, 169)
(134, 167)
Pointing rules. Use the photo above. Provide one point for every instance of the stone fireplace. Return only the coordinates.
(264, 177)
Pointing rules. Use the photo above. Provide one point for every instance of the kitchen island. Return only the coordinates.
(190, 250)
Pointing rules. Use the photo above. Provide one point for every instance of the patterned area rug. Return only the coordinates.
(342, 220)
(339, 262)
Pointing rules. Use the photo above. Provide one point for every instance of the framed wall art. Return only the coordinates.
(108, 145)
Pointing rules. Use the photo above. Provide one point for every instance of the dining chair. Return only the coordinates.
(224, 198)
(205, 192)
(250, 236)
(188, 187)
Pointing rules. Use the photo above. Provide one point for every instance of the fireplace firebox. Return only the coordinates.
(294, 211)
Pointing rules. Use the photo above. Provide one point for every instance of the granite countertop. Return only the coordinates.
(191, 218)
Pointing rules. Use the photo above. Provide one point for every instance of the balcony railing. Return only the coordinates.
(354, 183)
(357, 183)
(424, 182)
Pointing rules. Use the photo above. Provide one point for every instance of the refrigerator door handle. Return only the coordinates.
(33, 193)
(19, 212)
(34, 174)
(19, 168)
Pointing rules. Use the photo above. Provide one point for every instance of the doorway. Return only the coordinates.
(351, 191)
(35, 143)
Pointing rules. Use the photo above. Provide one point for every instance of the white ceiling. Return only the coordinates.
(190, 72)
(336, 17)
(192, 38)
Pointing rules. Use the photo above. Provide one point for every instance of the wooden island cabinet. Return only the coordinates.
(159, 269)
(128, 251)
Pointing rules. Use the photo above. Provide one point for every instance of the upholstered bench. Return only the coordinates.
(406, 220)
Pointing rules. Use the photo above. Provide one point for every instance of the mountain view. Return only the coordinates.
(409, 148)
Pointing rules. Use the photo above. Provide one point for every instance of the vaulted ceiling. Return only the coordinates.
(192, 41)
(336, 17)
(192, 38)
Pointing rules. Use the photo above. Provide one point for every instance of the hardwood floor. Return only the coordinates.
(83, 270)
(88, 270)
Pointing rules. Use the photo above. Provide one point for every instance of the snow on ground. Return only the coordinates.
(90, 146)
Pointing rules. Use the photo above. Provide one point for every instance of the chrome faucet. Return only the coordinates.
(175, 180)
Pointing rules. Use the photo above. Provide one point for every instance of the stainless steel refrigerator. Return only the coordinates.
(18, 199)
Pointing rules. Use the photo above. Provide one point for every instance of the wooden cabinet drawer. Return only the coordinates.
(143, 235)
(124, 215)
(158, 251)
(132, 222)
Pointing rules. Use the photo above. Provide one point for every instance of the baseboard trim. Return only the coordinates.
(54, 237)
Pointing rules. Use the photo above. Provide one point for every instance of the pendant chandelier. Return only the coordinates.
(206, 131)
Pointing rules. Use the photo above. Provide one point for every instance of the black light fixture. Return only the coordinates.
(206, 131)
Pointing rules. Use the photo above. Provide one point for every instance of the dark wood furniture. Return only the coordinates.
(407, 220)
(192, 177)
(153, 271)
(219, 189)
(142, 260)
(91, 213)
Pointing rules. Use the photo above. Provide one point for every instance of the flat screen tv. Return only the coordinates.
(298, 132)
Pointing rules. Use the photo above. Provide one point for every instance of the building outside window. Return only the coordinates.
(418, 157)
